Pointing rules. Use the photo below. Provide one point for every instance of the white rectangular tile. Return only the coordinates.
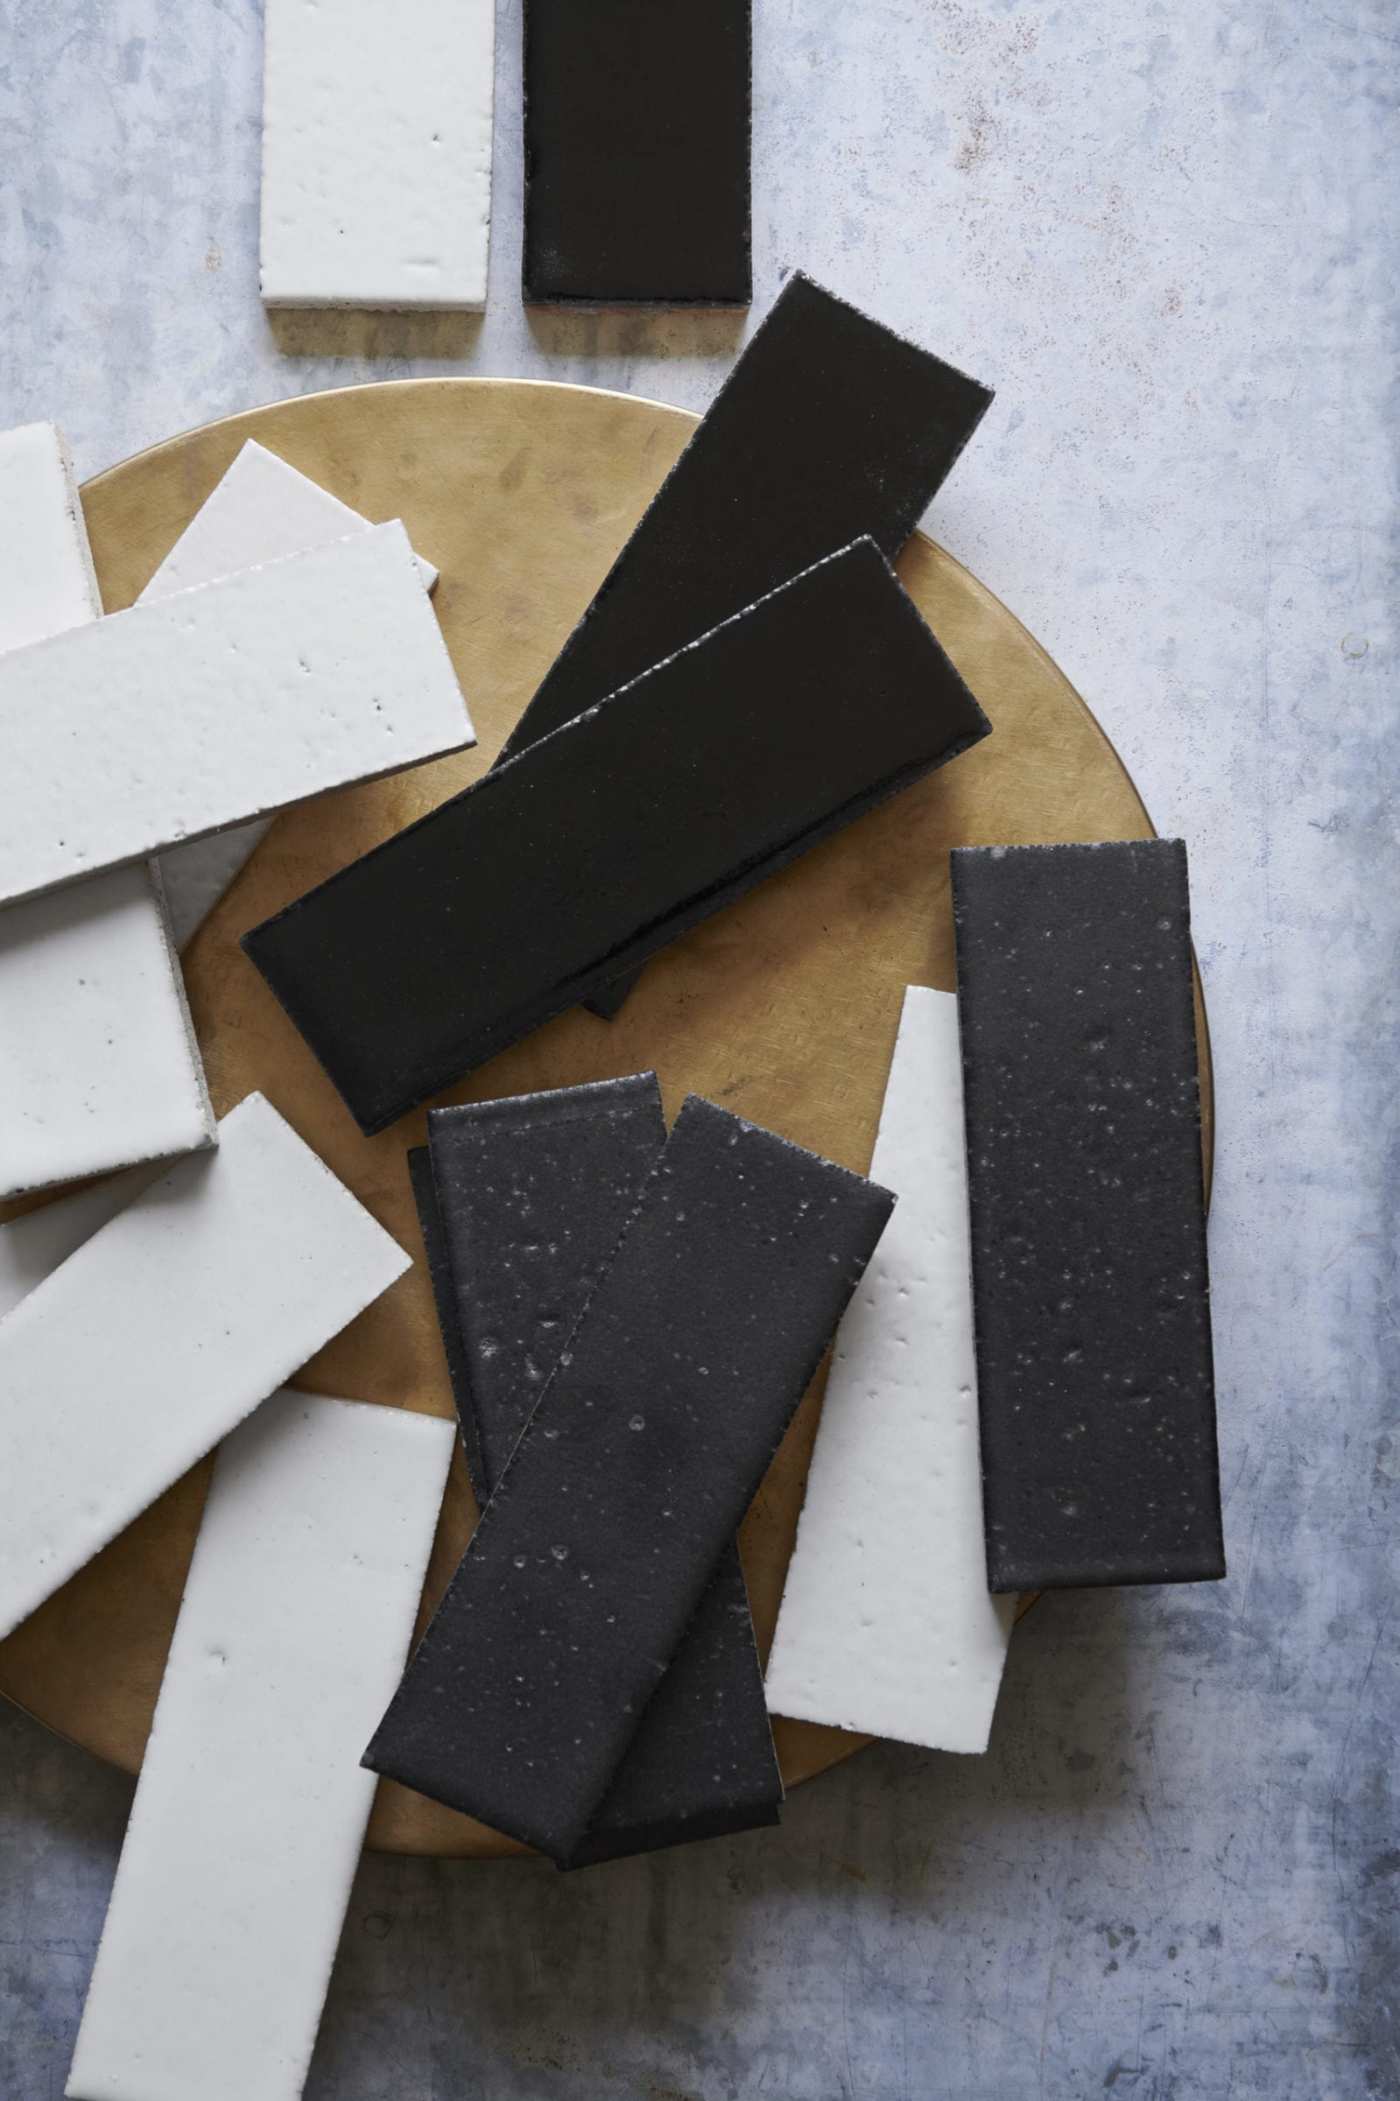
(261, 511)
(197, 874)
(47, 581)
(376, 164)
(886, 1623)
(32, 1247)
(162, 1332)
(98, 1063)
(228, 702)
(95, 1063)
(252, 1803)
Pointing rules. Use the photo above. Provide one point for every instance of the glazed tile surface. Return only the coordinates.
(1167, 239)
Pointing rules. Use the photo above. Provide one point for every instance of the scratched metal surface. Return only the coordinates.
(1166, 234)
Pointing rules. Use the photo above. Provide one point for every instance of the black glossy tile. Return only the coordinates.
(702, 1763)
(528, 1197)
(637, 152)
(630, 1479)
(1095, 1382)
(533, 1192)
(605, 841)
(829, 427)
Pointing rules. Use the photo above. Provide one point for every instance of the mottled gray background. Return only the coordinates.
(1166, 234)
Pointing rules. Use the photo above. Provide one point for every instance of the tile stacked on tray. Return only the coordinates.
(887, 1624)
(616, 833)
(47, 581)
(250, 1811)
(750, 658)
(192, 713)
(829, 427)
(1091, 1395)
(629, 1319)
(605, 1463)
(98, 1064)
(522, 1203)
(261, 510)
(625, 1487)
(1088, 1215)
(141, 1319)
(162, 1331)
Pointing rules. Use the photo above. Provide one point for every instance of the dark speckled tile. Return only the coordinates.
(522, 1203)
(1091, 1292)
(630, 1478)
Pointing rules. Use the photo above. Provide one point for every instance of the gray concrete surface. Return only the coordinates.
(1167, 235)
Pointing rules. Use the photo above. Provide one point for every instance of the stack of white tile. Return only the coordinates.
(262, 511)
(310, 659)
(98, 1064)
(285, 646)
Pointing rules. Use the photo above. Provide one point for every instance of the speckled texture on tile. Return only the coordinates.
(1167, 235)
(1090, 1285)
(184, 715)
(521, 1207)
(621, 1496)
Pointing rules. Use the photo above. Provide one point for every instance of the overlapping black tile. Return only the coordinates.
(630, 1479)
(829, 427)
(420, 1172)
(533, 1192)
(526, 1198)
(609, 838)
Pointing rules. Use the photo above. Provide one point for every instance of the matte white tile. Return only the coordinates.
(251, 1807)
(886, 1623)
(228, 702)
(98, 1063)
(47, 581)
(261, 511)
(32, 1247)
(162, 1332)
(376, 167)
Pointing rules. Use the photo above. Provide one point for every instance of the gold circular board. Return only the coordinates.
(783, 1007)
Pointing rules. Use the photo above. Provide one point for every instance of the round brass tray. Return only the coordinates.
(783, 1008)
